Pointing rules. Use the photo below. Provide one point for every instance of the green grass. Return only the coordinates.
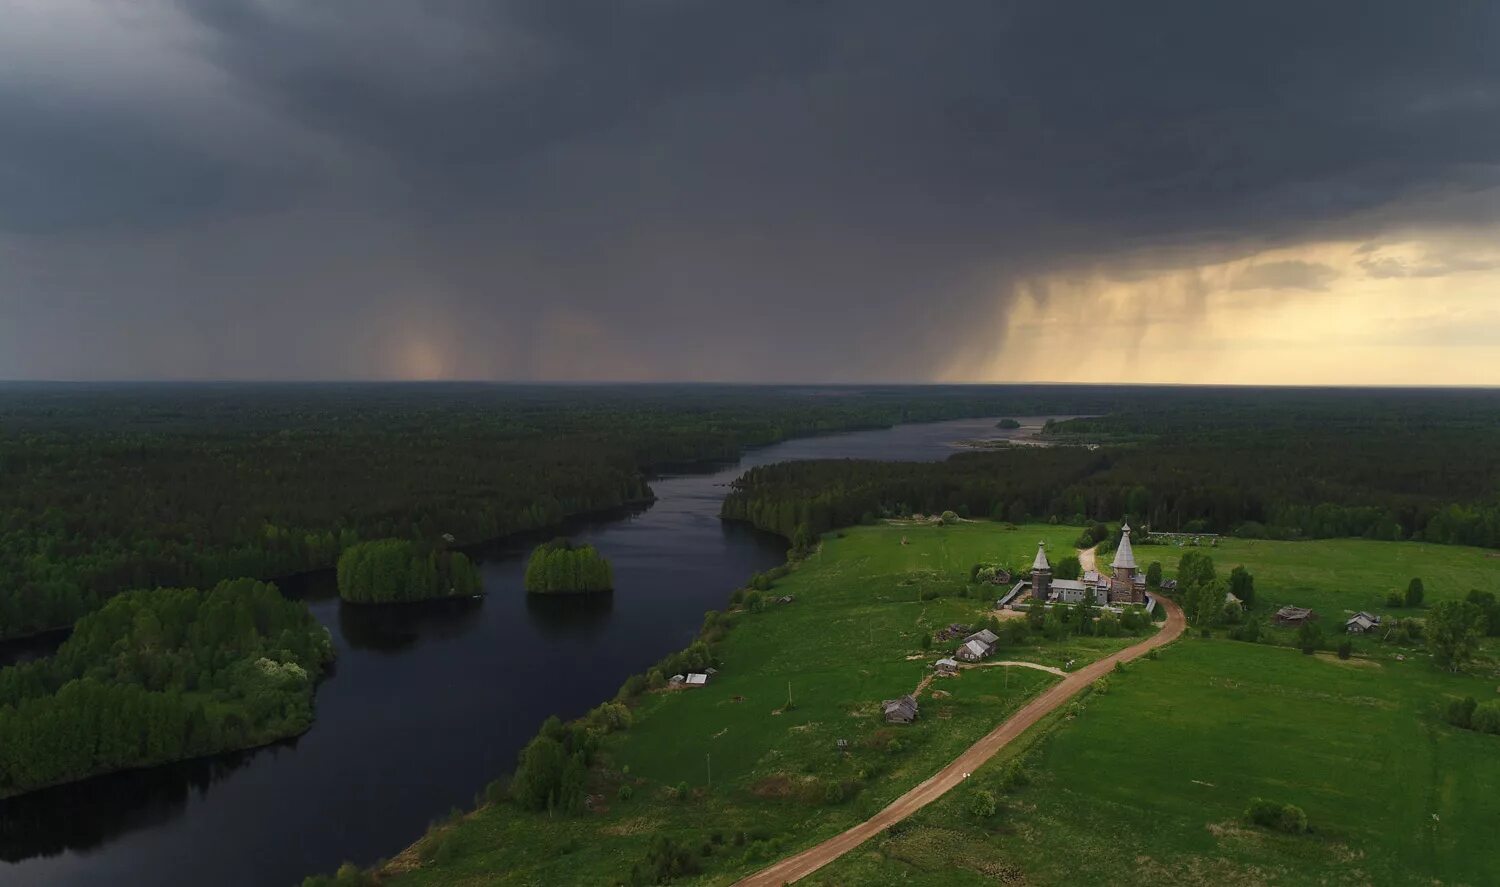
(1149, 784)
(1339, 577)
(850, 639)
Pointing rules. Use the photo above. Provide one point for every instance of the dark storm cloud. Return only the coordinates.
(746, 190)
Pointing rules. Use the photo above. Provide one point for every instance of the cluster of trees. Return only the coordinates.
(104, 488)
(397, 570)
(559, 567)
(1469, 714)
(161, 675)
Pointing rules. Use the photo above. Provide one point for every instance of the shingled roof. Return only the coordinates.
(1124, 555)
(1041, 558)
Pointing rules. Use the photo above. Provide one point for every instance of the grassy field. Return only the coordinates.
(850, 639)
(1148, 785)
(1339, 577)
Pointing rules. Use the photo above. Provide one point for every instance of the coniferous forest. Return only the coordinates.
(105, 488)
(559, 567)
(1285, 464)
(162, 675)
(388, 571)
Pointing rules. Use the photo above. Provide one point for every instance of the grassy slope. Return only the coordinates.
(843, 646)
(1358, 745)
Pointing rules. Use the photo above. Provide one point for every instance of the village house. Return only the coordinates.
(1362, 622)
(900, 711)
(946, 666)
(984, 636)
(972, 651)
(1294, 616)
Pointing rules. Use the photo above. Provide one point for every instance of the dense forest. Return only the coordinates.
(161, 675)
(109, 487)
(559, 567)
(388, 571)
(1283, 464)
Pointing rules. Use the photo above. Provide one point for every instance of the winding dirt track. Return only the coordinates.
(795, 868)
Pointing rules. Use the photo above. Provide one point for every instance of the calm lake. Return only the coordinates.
(427, 702)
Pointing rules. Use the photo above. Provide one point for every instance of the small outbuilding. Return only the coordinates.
(1169, 585)
(677, 680)
(900, 711)
(1362, 622)
(696, 680)
(1295, 616)
(946, 666)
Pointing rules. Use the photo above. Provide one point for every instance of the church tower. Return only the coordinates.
(1041, 573)
(1123, 587)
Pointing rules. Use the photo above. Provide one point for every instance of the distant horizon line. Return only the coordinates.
(563, 383)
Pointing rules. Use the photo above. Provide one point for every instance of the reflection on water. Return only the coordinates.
(426, 702)
(393, 628)
(579, 616)
(72, 817)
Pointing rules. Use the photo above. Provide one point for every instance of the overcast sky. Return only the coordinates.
(682, 189)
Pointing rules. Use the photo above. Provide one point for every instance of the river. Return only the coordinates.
(427, 702)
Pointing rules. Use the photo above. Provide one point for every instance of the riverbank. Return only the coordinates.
(741, 774)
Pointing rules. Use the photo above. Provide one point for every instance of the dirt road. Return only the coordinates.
(808, 861)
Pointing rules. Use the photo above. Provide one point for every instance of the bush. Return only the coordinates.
(1393, 599)
(1460, 712)
(948, 518)
(929, 594)
(982, 804)
(926, 641)
(1309, 638)
(626, 792)
(1278, 817)
(1487, 718)
(1153, 574)
(1346, 649)
(1414, 593)
(666, 860)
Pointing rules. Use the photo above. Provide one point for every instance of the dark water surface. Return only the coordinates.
(427, 702)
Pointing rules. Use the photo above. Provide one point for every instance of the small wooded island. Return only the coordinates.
(388, 571)
(559, 567)
(162, 675)
(1008, 424)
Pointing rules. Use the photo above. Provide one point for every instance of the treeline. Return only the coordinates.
(109, 487)
(559, 567)
(390, 571)
(161, 675)
(1276, 468)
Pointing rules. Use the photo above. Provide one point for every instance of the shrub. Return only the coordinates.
(1393, 599)
(1309, 638)
(626, 792)
(1460, 712)
(1414, 593)
(1278, 817)
(755, 601)
(929, 594)
(833, 793)
(982, 804)
(1346, 649)
(1014, 776)
(1487, 717)
(926, 641)
(666, 860)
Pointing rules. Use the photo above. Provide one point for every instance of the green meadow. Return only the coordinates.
(729, 771)
(1148, 784)
(1342, 576)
